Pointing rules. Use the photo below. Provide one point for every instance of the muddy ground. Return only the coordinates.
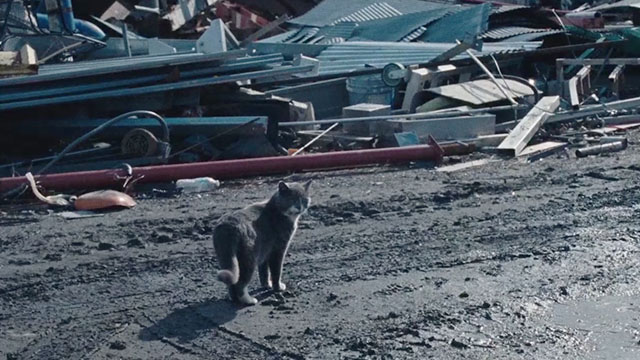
(506, 261)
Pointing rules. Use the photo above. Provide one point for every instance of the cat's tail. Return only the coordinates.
(230, 276)
(225, 241)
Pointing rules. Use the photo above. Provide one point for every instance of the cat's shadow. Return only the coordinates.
(188, 323)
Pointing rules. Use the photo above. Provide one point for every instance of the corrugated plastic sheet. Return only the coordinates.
(350, 56)
(469, 22)
(332, 11)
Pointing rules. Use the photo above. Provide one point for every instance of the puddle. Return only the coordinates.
(611, 322)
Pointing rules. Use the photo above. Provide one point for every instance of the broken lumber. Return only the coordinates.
(528, 126)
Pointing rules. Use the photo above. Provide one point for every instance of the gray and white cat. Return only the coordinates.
(259, 235)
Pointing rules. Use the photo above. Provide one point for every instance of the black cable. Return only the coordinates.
(34, 13)
(165, 132)
(165, 137)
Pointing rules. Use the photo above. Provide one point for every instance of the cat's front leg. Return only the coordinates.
(265, 277)
(275, 265)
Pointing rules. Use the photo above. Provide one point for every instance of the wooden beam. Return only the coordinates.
(28, 55)
(529, 125)
(463, 166)
(616, 78)
(10, 64)
(579, 85)
(539, 151)
(8, 58)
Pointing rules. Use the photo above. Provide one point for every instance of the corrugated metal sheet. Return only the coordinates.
(509, 31)
(395, 28)
(619, 4)
(342, 30)
(315, 35)
(469, 22)
(126, 77)
(333, 11)
(374, 11)
(506, 8)
(352, 56)
(533, 36)
(414, 34)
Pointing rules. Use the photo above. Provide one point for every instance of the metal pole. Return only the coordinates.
(493, 78)
(315, 139)
(230, 169)
(125, 39)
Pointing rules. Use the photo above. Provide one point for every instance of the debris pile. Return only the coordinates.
(223, 88)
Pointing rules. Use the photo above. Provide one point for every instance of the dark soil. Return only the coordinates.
(506, 261)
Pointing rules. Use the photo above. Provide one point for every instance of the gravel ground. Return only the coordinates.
(505, 261)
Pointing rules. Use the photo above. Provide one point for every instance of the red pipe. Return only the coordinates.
(229, 169)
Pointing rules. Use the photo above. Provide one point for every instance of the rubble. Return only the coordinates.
(166, 107)
(246, 79)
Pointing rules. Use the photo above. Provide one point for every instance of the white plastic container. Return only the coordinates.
(197, 185)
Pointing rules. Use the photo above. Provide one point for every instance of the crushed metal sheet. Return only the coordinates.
(350, 56)
(481, 92)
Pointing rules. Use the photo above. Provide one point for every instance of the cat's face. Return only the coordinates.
(293, 198)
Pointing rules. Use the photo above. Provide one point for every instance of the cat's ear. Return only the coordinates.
(283, 187)
(307, 185)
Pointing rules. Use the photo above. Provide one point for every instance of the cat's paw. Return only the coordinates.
(281, 287)
(248, 300)
(266, 284)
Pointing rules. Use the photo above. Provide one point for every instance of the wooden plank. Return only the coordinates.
(451, 128)
(8, 58)
(486, 140)
(616, 78)
(547, 148)
(528, 126)
(28, 55)
(463, 166)
(577, 88)
(574, 99)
